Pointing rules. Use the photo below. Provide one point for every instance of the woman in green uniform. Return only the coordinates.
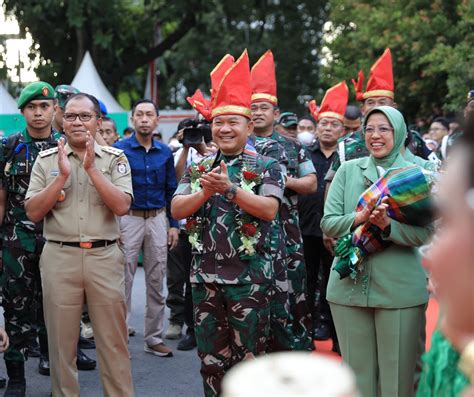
(378, 313)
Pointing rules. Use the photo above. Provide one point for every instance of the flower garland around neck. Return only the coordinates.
(248, 227)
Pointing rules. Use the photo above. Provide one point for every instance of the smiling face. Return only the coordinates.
(76, 130)
(230, 133)
(145, 119)
(264, 115)
(39, 113)
(379, 135)
(438, 131)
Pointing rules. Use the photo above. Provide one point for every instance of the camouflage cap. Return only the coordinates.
(63, 92)
(36, 90)
(287, 119)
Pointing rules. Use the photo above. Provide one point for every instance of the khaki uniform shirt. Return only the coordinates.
(82, 216)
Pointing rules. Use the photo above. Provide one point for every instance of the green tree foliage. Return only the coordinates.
(431, 41)
(188, 38)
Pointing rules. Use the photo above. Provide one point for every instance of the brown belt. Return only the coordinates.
(146, 213)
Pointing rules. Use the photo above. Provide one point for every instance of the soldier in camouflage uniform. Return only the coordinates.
(300, 180)
(22, 239)
(231, 199)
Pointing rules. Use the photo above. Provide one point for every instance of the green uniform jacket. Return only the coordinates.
(393, 278)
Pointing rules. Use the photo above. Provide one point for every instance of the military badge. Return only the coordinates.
(45, 91)
(122, 168)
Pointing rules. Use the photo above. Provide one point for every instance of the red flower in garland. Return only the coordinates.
(249, 229)
(250, 175)
(201, 168)
(190, 224)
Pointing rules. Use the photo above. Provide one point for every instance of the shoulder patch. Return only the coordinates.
(112, 150)
(48, 152)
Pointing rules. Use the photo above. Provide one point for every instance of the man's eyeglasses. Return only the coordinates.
(70, 117)
(380, 130)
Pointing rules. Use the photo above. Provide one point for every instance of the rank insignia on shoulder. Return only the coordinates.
(48, 152)
(112, 150)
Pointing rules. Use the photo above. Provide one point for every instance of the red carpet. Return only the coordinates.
(324, 347)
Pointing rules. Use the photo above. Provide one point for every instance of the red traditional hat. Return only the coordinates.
(201, 104)
(333, 104)
(218, 73)
(233, 95)
(380, 79)
(262, 77)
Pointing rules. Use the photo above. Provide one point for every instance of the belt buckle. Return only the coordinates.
(85, 244)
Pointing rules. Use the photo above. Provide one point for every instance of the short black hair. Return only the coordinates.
(309, 118)
(352, 112)
(443, 121)
(145, 101)
(90, 97)
(105, 118)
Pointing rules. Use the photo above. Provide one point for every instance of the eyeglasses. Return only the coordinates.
(381, 130)
(70, 117)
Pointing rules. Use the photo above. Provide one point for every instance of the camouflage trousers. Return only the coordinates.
(299, 309)
(231, 324)
(22, 301)
(281, 336)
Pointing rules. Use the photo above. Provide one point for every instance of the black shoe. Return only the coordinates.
(3, 382)
(321, 332)
(43, 365)
(85, 343)
(84, 363)
(16, 379)
(187, 343)
(34, 349)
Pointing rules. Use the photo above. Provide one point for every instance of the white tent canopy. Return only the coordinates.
(87, 80)
(7, 103)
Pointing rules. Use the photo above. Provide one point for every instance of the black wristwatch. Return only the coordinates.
(230, 192)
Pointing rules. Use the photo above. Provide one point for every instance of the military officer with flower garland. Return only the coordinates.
(229, 210)
(301, 179)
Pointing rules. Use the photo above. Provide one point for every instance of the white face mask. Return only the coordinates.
(305, 137)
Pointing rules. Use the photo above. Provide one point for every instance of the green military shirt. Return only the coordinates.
(220, 260)
(299, 165)
(270, 148)
(18, 153)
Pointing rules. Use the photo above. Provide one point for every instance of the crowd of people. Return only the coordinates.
(272, 232)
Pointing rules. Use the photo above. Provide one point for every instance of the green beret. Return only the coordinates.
(63, 92)
(36, 90)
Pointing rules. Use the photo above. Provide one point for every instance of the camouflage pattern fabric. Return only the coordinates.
(22, 300)
(353, 148)
(300, 165)
(22, 244)
(231, 323)
(281, 335)
(220, 260)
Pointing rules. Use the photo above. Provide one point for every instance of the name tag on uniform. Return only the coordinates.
(54, 172)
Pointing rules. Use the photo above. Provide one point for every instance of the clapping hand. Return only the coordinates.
(89, 156)
(216, 181)
(63, 162)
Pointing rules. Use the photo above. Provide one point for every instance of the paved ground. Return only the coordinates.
(177, 376)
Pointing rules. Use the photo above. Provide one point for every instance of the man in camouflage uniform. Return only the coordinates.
(289, 328)
(22, 239)
(231, 198)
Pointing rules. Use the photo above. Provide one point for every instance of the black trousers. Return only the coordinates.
(180, 301)
(318, 265)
